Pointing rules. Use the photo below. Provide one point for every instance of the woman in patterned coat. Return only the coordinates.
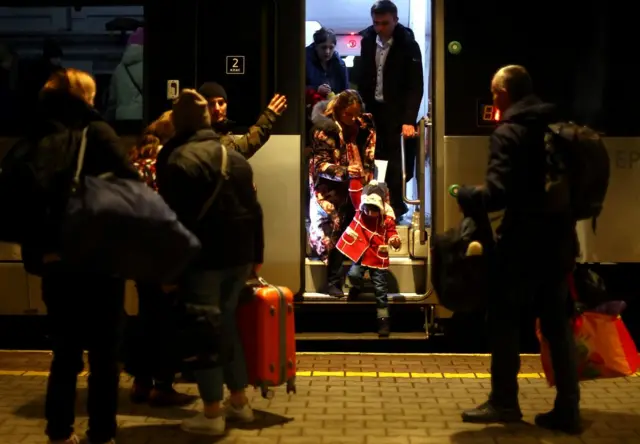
(343, 142)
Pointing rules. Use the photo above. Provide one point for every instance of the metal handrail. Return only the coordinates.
(404, 174)
(420, 176)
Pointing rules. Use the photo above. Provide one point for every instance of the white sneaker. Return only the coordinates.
(243, 414)
(73, 439)
(205, 426)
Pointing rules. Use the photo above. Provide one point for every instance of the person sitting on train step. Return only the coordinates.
(84, 309)
(326, 71)
(232, 237)
(341, 133)
(536, 250)
(249, 143)
(366, 242)
(146, 358)
(392, 85)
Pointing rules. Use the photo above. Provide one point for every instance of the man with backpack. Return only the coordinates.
(534, 175)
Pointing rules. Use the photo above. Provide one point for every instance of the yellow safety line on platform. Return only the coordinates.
(455, 355)
(344, 374)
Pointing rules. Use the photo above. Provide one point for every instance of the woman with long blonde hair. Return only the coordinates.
(84, 309)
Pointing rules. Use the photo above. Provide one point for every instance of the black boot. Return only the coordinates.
(384, 328)
(335, 274)
(487, 413)
(568, 422)
(334, 290)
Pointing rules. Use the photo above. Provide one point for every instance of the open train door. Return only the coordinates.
(254, 49)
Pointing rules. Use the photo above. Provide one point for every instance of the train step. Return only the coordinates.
(407, 282)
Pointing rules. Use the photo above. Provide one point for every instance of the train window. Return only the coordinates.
(577, 56)
(106, 41)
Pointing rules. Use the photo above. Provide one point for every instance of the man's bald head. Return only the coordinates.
(510, 84)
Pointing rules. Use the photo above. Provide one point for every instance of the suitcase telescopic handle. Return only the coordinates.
(258, 281)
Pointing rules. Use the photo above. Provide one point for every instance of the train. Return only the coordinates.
(575, 54)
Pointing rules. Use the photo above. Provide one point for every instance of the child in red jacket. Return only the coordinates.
(366, 242)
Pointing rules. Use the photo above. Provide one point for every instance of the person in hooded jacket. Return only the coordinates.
(232, 237)
(251, 141)
(535, 251)
(84, 310)
(326, 71)
(391, 83)
(126, 91)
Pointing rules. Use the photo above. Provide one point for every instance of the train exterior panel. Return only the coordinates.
(272, 54)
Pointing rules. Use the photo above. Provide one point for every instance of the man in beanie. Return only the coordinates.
(249, 143)
(366, 242)
(231, 234)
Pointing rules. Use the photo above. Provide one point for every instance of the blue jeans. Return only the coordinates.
(220, 288)
(379, 279)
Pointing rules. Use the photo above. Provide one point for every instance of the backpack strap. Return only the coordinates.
(80, 162)
(224, 175)
(135, 84)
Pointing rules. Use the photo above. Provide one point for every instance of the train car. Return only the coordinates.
(577, 55)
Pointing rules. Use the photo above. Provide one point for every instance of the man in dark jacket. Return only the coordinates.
(232, 238)
(391, 84)
(249, 143)
(535, 252)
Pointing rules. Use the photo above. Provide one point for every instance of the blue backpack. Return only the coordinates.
(123, 227)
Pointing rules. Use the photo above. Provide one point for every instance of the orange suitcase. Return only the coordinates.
(267, 329)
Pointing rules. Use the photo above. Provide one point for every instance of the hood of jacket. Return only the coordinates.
(67, 109)
(530, 110)
(132, 55)
(320, 121)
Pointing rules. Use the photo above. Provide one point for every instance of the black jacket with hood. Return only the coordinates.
(515, 182)
(56, 132)
(231, 232)
(403, 81)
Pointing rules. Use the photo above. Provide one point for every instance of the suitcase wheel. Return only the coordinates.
(267, 393)
(291, 386)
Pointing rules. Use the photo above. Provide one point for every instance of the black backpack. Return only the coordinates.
(28, 173)
(579, 170)
(461, 281)
(20, 193)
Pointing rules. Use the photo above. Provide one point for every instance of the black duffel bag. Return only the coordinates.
(198, 342)
(460, 274)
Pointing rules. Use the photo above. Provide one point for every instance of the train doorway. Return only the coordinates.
(347, 24)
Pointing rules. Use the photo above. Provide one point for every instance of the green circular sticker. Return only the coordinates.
(454, 47)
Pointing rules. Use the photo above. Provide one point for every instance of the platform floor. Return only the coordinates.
(345, 399)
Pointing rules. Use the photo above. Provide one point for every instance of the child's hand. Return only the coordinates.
(396, 243)
(355, 171)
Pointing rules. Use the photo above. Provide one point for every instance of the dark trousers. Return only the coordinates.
(149, 360)
(85, 311)
(378, 278)
(550, 299)
(335, 268)
(388, 147)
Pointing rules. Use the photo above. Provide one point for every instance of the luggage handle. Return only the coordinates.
(258, 281)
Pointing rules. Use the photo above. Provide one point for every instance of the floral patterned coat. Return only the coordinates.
(330, 209)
